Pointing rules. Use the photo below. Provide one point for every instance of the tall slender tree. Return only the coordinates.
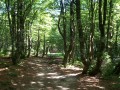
(81, 37)
(62, 31)
(101, 48)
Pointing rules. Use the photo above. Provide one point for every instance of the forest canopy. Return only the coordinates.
(86, 32)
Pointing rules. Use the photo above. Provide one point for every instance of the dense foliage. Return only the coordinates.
(83, 31)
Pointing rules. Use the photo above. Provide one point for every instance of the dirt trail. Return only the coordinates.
(38, 74)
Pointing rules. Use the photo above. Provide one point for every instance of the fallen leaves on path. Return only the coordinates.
(38, 74)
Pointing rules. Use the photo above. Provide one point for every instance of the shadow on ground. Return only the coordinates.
(39, 74)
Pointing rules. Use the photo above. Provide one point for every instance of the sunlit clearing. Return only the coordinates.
(40, 74)
(40, 83)
(62, 76)
(63, 88)
(56, 77)
(92, 80)
(72, 74)
(72, 67)
(39, 65)
(52, 74)
(100, 87)
(31, 63)
(13, 83)
(23, 85)
(22, 76)
(3, 69)
(33, 82)
(82, 89)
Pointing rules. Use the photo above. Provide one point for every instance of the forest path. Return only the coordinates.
(40, 74)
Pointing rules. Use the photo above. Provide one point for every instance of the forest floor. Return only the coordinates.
(42, 74)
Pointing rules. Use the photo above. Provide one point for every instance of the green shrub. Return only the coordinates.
(78, 63)
(107, 70)
(107, 66)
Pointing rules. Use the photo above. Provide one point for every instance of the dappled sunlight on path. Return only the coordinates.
(38, 74)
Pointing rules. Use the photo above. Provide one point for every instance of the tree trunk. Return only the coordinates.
(81, 38)
(12, 26)
(21, 27)
(91, 50)
(38, 44)
(116, 71)
(102, 20)
(13, 38)
(72, 35)
(44, 46)
(29, 40)
(109, 23)
(72, 31)
(29, 45)
(63, 33)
